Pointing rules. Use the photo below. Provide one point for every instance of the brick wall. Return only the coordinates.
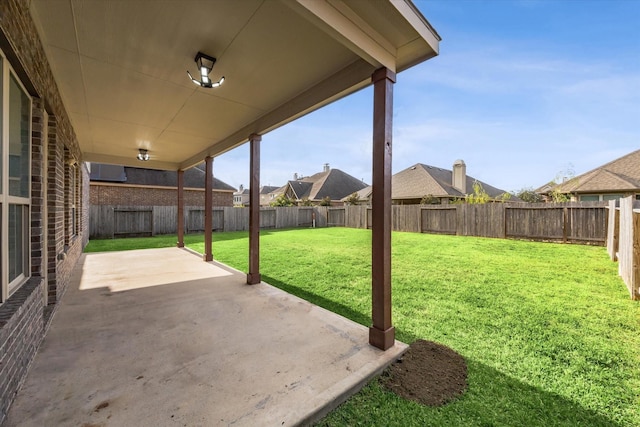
(38, 190)
(21, 331)
(55, 249)
(126, 195)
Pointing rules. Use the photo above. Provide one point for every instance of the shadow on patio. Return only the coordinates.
(156, 337)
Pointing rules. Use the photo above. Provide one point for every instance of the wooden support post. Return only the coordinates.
(208, 208)
(253, 277)
(180, 219)
(381, 333)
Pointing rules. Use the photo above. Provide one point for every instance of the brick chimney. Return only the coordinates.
(459, 176)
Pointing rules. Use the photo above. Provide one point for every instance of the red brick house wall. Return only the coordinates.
(135, 195)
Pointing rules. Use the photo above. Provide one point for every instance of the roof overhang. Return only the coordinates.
(121, 67)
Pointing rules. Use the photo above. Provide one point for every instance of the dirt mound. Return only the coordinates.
(428, 373)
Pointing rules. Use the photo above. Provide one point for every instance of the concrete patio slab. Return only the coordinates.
(158, 337)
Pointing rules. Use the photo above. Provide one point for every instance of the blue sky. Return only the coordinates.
(523, 91)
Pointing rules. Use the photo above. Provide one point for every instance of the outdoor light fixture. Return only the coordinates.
(205, 64)
(143, 155)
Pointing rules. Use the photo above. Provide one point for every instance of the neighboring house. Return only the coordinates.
(419, 182)
(333, 184)
(241, 197)
(616, 179)
(128, 186)
(267, 194)
(274, 194)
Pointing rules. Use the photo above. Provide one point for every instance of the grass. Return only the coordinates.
(548, 331)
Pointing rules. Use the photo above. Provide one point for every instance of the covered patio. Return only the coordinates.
(156, 337)
(107, 82)
(123, 72)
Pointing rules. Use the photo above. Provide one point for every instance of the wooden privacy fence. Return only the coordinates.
(623, 241)
(583, 222)
(130, 221)
(564, 222)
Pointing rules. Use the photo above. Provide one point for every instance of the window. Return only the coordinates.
(606, 197)
(589, 198)
(15, 173)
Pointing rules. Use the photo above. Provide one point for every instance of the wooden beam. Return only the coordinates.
(208, 208)
(339, 21)
(254, 210)
(381, 333)
(353, 77)
(180, 219)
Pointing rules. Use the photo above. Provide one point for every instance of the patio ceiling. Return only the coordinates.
(121, 67)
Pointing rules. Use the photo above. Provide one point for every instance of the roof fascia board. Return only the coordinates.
(339, 21)
(293, 190)
(344, 82)
(408, 10)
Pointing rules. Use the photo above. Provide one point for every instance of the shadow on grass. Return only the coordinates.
(336, 307)
(492, 399)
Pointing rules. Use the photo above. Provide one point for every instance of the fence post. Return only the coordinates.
(504, 221)
(636, 256)
(180, 214)
(612, 232)
(565, 224)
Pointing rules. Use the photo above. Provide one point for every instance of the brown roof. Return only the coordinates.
(622, 174)
(333, 183)
(421, 180)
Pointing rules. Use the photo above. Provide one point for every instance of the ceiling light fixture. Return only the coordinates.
(205, 64)
(143, 155)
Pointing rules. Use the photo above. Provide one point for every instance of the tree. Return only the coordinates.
(353, 199)
(282, 200)
(326, 201)
(504, 197)
(305, 202)
(562, 177)
(479, 196)
(429, 199)
(528, 195)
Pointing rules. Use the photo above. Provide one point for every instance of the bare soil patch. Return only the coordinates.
(428, 373)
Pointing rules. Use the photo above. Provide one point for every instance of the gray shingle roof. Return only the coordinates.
(266, 189)
(301, 189)
(193, 178)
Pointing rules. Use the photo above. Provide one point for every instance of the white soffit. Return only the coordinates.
(121, 67)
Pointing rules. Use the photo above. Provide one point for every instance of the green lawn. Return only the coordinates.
(548, 331)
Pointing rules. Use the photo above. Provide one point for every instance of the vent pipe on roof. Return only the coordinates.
(459, 176)
(295, 176)
(326, 167)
